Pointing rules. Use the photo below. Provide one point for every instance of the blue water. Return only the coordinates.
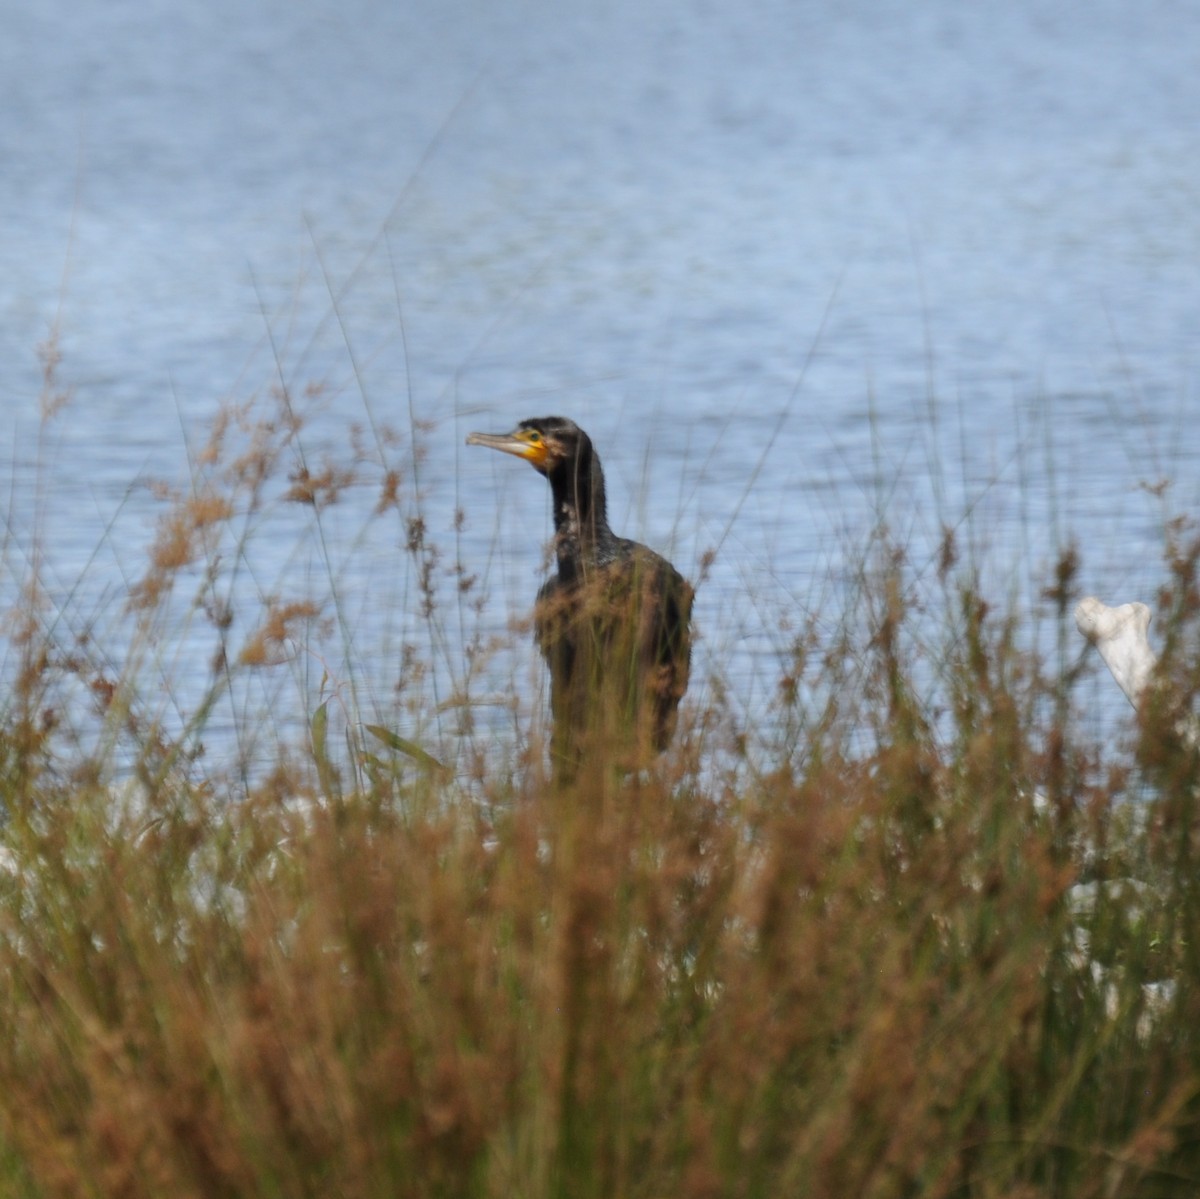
(794, 266)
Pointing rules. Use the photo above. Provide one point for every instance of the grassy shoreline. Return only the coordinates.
(931, 942)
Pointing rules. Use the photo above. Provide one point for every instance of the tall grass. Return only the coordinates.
(933, 943)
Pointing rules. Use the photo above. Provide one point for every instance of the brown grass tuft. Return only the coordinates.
(272, 643)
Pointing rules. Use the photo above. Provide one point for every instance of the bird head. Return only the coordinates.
(547, 443)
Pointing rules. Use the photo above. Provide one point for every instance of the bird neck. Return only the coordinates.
(581, 533)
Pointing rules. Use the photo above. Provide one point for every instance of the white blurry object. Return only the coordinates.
(1120, 636)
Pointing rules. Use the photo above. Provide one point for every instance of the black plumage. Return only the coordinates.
(614, 621)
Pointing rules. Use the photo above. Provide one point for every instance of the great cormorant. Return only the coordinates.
(614, 623)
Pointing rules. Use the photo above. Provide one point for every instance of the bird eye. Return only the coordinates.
(534, 438)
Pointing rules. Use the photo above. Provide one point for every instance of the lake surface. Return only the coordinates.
(793, 265)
